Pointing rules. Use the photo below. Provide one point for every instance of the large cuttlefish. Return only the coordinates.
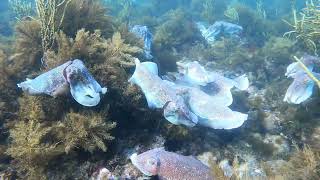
(209, 95)
(160, 94)
(71, 76)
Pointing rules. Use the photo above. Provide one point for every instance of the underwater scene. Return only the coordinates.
(159, 89)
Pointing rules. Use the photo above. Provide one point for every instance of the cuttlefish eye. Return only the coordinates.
(89, 96)
(152, 162)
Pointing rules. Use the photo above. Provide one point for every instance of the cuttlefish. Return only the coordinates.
(194, 74)
(212, 110)
(160, 94)
(144, 33)
(71, 76)
(169, 165)
(209, 95)
(302, 86)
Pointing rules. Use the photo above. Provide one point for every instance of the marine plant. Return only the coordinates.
(278, 49)
(85, 130)
(305, 28)
(116, 47)
(90, 15)
(126, 10)
(85, 46)
(50, 19)
(303, 164)
(92, 48)
(212, 10)
(259, 8)
(3, 70)
(21, 8)
(27, 46)
(29, 146)
(175, 30)
(232, 14)
(256, 28)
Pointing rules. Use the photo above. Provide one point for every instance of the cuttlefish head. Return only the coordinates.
(83, 87)
(194, 73)
(179, 114)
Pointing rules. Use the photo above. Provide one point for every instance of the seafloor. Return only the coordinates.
(42, 137)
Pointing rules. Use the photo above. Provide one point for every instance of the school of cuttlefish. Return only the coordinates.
(193, 96)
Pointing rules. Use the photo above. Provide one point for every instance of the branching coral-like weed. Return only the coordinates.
(87, 131)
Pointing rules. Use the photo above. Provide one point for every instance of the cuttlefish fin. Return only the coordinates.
(242, 82)
(232, 120)
(104, 90)
(132, 79)
(151, 66)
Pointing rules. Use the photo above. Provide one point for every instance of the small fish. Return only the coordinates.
(308, 60)
(300, 89)
(144, 33)
(71, 76)
(162, 95)
(83, 87)
(170, 166)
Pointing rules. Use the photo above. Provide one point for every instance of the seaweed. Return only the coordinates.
(29, 149)
(175, 30)
(28, 49)
(92, 48)
(303, 164)
(86, 46)
(28, 145)
(256, 28)
(21, 8)
(86, 130)
(116, 47)
(90, 15)
(278, 49)
(305, 27)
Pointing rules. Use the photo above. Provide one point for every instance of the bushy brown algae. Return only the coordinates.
(91, 15)
(86, 130)
(28, 137)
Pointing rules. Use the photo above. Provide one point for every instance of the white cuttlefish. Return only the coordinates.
(162, 95)
(209, 95)
(302, 86)
(192, 73)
